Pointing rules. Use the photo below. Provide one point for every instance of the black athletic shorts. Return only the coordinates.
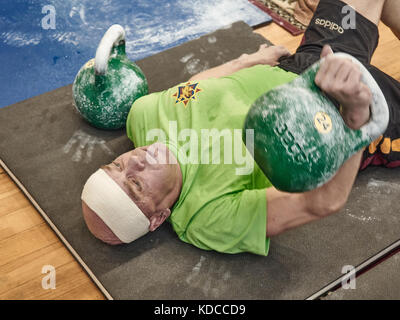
(326, 28)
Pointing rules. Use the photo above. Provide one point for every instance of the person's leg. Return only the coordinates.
(370, 9)
(327, 27)
(390, 16)
(386, 149)
(387, 11)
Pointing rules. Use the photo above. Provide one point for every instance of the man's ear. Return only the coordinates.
(326, 51)
(158, 218)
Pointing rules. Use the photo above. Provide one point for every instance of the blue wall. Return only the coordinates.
(35, 60)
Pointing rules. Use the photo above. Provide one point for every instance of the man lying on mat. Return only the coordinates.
(213, 193)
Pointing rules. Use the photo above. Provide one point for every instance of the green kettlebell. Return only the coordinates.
(105, 87)
(300, 138)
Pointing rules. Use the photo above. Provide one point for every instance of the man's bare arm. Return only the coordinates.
(342, 80)
(265, 55)
(289, 210)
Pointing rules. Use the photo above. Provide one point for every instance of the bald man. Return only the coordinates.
(221, 200)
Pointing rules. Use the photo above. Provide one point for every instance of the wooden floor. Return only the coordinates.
(27, 243)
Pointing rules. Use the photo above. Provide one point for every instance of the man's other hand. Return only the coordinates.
(266, 55)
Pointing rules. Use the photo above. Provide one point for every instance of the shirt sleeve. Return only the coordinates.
(233, 223)
(261, 78)
(137, 119)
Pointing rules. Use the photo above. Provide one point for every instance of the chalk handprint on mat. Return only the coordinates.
(84, 141)
(211, 278)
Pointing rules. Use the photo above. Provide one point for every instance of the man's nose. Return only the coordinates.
(136, 163)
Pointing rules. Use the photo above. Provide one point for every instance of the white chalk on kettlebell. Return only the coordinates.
(111, 38)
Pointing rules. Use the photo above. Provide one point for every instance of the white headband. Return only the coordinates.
(117, 210)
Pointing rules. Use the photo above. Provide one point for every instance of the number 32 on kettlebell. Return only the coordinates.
(323, 122)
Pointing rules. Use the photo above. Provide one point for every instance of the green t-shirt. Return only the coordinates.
(222, 205)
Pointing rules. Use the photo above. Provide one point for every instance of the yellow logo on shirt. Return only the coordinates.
(186, 93)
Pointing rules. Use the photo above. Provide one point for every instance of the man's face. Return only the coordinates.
(145, 175)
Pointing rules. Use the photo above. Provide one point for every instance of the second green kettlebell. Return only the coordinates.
(106, 87)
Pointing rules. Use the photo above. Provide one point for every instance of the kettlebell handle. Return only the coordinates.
(379, 109)
(112, 38)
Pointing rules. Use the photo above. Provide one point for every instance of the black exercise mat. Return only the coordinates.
(50, 151)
